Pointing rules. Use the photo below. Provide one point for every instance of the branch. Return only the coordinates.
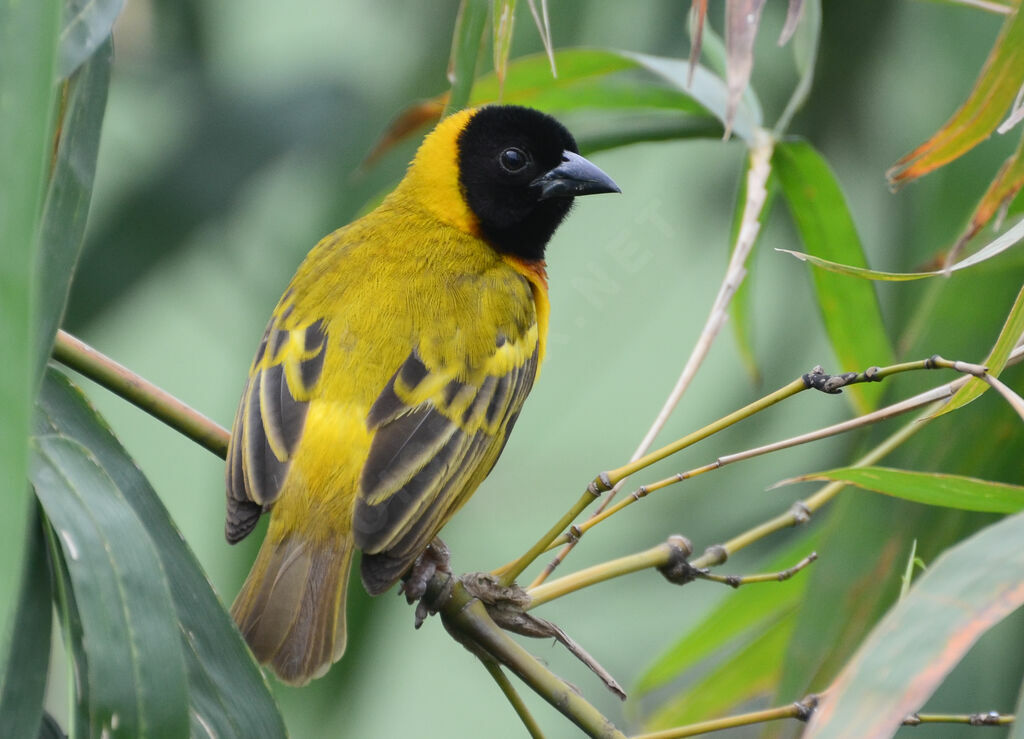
(514, 698)
(158, 403)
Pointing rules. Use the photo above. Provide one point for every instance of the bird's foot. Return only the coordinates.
(434, 559)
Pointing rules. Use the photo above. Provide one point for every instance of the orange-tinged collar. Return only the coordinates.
(536, 274)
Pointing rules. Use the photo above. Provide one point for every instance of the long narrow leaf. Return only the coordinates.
(23, 681)
(136, 672)
(1011, 333)
(469, 29)
(68, 196)
(228, 692)
(28, 42)
(849, 308)
(977, 118)
(965, 592)
(87, 26)
(931, 488)
(997, 246)
(750, 608)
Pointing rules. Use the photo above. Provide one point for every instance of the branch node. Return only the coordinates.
(677, 570)
(992, 718)
(871, 374)
(573, 534)
(716, 554)
(913, 719)
(800, 512)
(933, 363)
(639, 493)
(806, 707)
(600, 484)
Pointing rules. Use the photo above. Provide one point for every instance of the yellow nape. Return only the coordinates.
(433, 176)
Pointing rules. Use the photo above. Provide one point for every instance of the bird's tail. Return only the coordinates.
(291, 608)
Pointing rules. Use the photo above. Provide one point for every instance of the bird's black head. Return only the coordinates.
(519, 170)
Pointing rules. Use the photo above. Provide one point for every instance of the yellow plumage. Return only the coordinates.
(383, 392)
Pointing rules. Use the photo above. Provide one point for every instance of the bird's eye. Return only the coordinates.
(513, 159)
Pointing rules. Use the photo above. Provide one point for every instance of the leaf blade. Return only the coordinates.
(849, 308)
(930, 488)
(966, 591)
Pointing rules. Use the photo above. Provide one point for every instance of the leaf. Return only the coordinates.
(87, 26)
(750, 673)
(993, 93)
(68, 196)
(1000, 192)
(997, 246)
(28, 41)
(805, 54)
(742, 18)
(597, 79)
(849, 308)
(228, 691)
(751, 608)
(469, 29)
(1012, 332)
(966, 591)
(23, 681)
(503, 19)
(930, 488)
(136, 673)
(543, 23)
(793, 14)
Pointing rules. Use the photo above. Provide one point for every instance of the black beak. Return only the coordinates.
(574, 176)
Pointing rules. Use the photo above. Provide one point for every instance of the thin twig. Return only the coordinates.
(158, 403)
(514, 698)
(757, 193)
(734, 581)
(800, 710)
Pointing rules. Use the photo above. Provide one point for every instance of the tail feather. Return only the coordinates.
(291, 609)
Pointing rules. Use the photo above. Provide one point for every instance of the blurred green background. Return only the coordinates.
(233, 141)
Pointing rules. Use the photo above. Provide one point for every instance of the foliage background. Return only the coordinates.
(232, 142)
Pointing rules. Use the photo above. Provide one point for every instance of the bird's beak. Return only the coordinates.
(574, 176)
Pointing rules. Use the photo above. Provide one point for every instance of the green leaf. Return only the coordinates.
(750, 673)
(23, 682)
(965, 592)
(930, 488)
(993, 93)
(1013, 330)
(136, 672)
(749, 609)
(997, 246)
(849, 308)
(87, 26)
(28, 42)
(503, 21)
(68, 196)
(469, 30)
(229, 693)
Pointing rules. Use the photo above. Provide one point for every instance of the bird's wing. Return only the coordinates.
(439, 430)
(270, 418)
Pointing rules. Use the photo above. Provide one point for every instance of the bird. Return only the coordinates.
(391, 372)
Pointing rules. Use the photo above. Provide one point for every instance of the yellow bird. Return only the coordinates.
(391, 373)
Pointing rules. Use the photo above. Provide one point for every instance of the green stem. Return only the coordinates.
(514, 698)
(158, 403)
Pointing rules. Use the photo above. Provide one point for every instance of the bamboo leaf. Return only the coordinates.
(993, 93)
(966, 591)
(136, 673)
(997, 246)
(23, 681)
(68, 195)
(503, 19)
(930, 488)
(742, 18)
(807, 17)
(228, 694)
(87, 26)
(28, 42)
(469, 30)
(752, 672)
(1011, 333)
(849, 308)
(749, 609)
(1000, 192)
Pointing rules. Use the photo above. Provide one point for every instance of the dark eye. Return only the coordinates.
(513, 159)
